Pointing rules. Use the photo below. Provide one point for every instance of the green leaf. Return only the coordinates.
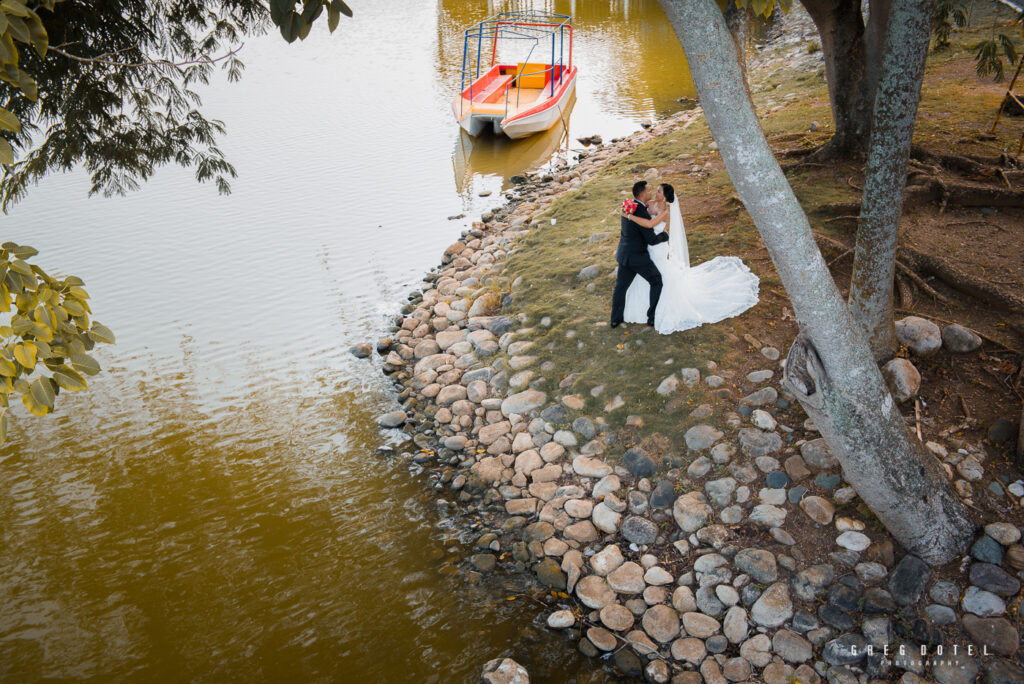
(3, 426)
(18, 29)
(41, 390)
(32, 403)
(7, 369)
(28, 86)
(340, 6)
(8, 121)
(101, 333)
(15, 8)
(19, 266)
(37, 31)
(23, 251)
(6, 152)
(69, 379)
(25, 353)
(83, 363)
(333, 17)
(8, 50)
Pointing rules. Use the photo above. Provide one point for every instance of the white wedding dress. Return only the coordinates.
(707, 293)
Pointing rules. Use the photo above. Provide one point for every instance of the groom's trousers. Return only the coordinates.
(639, 266)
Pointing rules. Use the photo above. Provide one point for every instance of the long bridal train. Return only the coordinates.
(692, 296)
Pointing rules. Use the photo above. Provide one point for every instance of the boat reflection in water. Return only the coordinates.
(490, 155)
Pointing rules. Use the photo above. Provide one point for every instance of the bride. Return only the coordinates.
(707, 293)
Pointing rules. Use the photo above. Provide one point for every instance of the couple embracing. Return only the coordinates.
(669, 295)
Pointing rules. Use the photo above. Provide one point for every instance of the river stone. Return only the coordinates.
(774, 606)
(987, 550)
(605, 519)
(921, 335)
(818, 509)
(523, 402)
(583, 531)
(827, 481)
(683, 600)
(700, 625)
(669, 385)
(639, 530)
(902, 379)
(720, 491)
(955, 669)
(555, 413)
(484, 562)
(707, 601)
(606, 560)
(628, 578)
(561, 619)
(734, 626)
(817, 455)
(809, 582)
(757, 563)
(854, 541)
(550, 574)
(689, 650)
(982, 603)
(392, 420)
(870, 572)
(908, 579)
(616, 617)
(940, 615)
(1004, 533)
(590, 467)
(699, 468)
(994, 579)
(489, 434)
(638, 463)
(846, 650)
(944, 592)
(791, 647)
(594, 592)
(538, 531)
(701, 437)
(997, 633)
(1003, 672)
(691, 511)
(756, 442)
(602, 638)
(762, 397)
(736, 670)
(757, 650)
(663, 496)
(957, 338)
(504, 671)
(661, 623)
(767, 516)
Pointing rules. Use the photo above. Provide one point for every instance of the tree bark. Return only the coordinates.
(895, 109)
(843, 45)
(830, 368)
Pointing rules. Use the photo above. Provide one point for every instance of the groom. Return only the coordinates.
(633, 257)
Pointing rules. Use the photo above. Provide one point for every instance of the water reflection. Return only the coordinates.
(212, 509)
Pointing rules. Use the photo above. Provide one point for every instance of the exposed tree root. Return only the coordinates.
(981, 288)
(962, 194)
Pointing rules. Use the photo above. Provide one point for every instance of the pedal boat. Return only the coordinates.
(522, 98)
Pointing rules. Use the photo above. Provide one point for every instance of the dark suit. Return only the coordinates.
(635, 261)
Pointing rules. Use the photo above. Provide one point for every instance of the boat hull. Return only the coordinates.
(539, 115)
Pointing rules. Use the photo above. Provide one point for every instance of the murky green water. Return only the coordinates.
(212, 508)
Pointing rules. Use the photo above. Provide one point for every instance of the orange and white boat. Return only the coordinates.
(516, 98)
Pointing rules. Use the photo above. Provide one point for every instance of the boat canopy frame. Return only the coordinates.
(524, 25)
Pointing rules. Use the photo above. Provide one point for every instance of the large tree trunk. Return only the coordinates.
(898, 93)
(852, 55)
(831, 369)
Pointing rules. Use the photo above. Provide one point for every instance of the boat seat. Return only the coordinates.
(532, 75)
(495, 89)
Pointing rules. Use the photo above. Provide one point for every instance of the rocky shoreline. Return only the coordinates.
(735, 554)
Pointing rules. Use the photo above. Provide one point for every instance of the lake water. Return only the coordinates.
(212, 508)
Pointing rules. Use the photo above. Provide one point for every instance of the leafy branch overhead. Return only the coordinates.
(111, 86)
(45, 334)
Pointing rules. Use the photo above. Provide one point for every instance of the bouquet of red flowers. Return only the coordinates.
(628, 206)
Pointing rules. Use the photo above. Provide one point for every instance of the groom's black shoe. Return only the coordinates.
(615, 324)
(650, 324)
